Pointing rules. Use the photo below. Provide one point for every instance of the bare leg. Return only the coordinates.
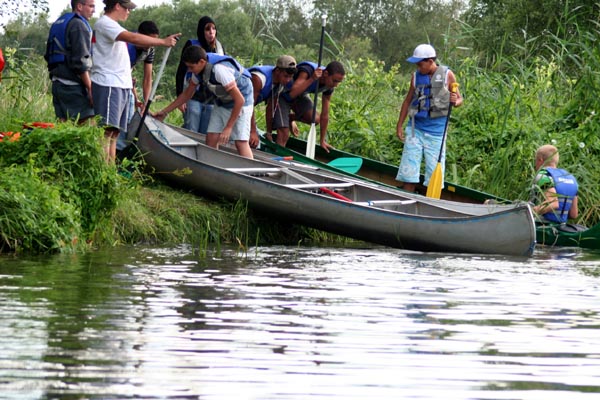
(110, 144)
(409, 187)
(243, 148)
(283, 134)
(212, 140)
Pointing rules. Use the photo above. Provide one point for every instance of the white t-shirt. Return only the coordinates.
(262, 77)
(110, 56)
(223, 74)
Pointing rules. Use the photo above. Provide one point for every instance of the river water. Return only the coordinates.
(299, 323)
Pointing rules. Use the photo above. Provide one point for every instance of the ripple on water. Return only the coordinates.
(298, 323)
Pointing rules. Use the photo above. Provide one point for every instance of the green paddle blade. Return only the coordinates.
(348, 164)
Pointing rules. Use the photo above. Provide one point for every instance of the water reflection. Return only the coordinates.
(298, 323)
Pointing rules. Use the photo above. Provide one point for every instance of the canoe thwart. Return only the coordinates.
(320, 185)
(386, 202)
(251, 170)
(183, 144)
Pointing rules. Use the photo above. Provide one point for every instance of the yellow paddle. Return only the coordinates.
(434, 189)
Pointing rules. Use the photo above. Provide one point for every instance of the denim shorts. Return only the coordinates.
(417, 145)
(197, 116)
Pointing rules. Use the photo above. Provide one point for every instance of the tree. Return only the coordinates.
(11, 8)
(522, 27)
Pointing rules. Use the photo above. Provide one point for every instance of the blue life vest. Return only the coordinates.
(267, 89)
(188, 74)
(566, 189)
(243, 80)
(432, 97)
(308, 67)
(56, 47)
(132, 50)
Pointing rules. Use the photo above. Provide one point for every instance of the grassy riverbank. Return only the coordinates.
(511, 107)
(58, 194)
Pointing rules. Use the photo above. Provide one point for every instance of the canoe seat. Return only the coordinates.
(251, 170)
(183, 144)
(320, 185)
(386, 202)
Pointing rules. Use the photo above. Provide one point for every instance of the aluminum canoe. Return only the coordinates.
(333, 202)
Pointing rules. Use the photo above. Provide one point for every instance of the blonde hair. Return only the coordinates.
(547, 155)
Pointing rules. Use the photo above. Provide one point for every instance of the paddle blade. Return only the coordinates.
(310, 142)
(347, 164)
(434, 190)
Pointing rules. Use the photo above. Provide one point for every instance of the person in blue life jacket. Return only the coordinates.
(296, 103)
(268, 83)
(143, 54)
(196, 112)
(231, 86)
(139, 55)
(554, 190)
(69, 58)
(426, 105)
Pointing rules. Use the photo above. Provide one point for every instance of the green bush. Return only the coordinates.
(34, 217)
(56, 174)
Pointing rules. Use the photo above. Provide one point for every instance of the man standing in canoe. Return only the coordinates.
(268, 82)
(426, 103)
(554, 190)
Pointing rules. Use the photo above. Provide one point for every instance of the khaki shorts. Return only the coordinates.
(241, 128)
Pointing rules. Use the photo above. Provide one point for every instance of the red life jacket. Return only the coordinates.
(1, 63)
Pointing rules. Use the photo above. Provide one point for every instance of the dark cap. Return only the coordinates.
(286, 62)
(128, 4)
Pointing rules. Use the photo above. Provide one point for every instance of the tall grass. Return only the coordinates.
(513, 104)
(58, 194)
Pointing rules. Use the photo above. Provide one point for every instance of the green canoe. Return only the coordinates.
(379, 172)
(371, 170)
(568, 235)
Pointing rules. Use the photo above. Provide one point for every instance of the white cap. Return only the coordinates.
(422, 52)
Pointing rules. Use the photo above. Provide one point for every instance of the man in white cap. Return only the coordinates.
(268, 82)
(427, 104)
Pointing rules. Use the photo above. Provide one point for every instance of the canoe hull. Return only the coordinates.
(552, 235)
(411, 225)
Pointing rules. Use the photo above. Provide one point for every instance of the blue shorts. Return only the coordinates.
(415, 146)
(112, 105)
(241, 128)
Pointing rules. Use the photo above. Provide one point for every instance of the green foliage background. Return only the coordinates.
(527, 70)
